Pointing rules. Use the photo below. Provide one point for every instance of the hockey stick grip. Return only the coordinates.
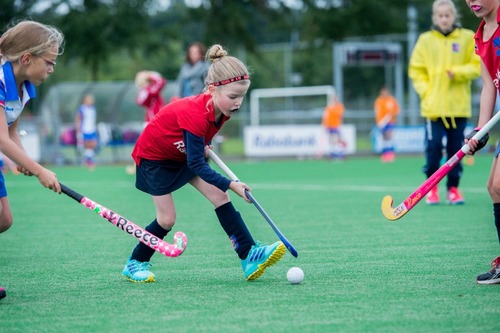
(487, 127)
(483, 131)
(71, 193)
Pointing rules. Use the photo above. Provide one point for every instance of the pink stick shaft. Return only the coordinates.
(433, 180)
(134, 230)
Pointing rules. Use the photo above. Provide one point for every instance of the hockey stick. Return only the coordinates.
(249, 195)
(396, 213)
(147, 238)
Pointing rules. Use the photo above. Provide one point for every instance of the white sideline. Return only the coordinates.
(285, 187)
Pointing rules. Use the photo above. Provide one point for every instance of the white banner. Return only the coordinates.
(406, 139)
(294, 140)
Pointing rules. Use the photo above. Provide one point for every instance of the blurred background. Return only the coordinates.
(300, 52)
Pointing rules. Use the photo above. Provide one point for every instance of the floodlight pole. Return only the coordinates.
(413, 106)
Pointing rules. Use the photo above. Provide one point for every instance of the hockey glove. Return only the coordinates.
(481, 142)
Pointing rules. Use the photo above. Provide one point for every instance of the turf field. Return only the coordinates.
(61, 263)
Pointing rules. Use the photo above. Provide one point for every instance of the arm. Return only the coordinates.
(195, 150)
(196, 161)
(179, 81)
(376, 109)
(486, 108)
(156, 83)
(153, 88)
(470, 68)
(11, 146)
(417, 70)
(488, 97)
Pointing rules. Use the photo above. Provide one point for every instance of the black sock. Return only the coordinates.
(142, 252)
(235, 228)
(452, 182)
(496, 214)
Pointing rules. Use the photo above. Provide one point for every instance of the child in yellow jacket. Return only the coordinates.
(442, 66)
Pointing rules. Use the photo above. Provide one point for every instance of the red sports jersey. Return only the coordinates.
(489, 51)
(162, 138)
(150, 97)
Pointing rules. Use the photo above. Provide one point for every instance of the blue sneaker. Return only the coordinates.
(260, 257)
(137, 271)
(3, 293)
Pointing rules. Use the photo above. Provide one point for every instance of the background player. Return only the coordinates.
(386, 109)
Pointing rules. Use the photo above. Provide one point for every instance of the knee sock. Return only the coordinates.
(142, 252)
(452, 182)
(89, 155)
(235, 228)
(496, 214)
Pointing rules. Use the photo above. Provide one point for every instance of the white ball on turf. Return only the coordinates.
(295, 275)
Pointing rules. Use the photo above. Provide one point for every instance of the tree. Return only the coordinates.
(15, 10)
(353, 18)
(98, 28)
(238, 23)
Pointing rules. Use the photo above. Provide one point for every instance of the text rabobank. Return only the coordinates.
(286, 141)
(293, 140)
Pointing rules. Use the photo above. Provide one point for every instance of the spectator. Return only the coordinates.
(442, 66)
(190, 80)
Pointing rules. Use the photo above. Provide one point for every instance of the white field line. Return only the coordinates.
(279, 187)
(351, 188)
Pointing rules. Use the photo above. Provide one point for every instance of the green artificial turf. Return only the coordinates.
(61, 263)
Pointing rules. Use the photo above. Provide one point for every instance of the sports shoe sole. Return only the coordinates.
(149, 279)
(273, 258)
(492, 281)
(455, 203)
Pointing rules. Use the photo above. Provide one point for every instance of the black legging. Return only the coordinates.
(435, 131)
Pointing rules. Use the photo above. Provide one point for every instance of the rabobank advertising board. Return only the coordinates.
(293, 140)
(312, 140)
(406, 139)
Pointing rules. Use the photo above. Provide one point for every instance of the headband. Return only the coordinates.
(231, 80)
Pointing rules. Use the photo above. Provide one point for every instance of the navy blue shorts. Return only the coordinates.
(161, 177)
(3, 189)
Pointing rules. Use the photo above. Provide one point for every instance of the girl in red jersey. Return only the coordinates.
(487, 40)
(171, 152)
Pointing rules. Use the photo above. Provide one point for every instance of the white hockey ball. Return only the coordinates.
(295, 275)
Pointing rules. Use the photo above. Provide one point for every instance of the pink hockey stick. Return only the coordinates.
(147, 238)
(396, 213)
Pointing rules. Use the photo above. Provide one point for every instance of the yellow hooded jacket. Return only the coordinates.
(433, 55)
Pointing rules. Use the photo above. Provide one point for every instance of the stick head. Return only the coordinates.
(390, 213)
(292, 250)
(175, 249)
